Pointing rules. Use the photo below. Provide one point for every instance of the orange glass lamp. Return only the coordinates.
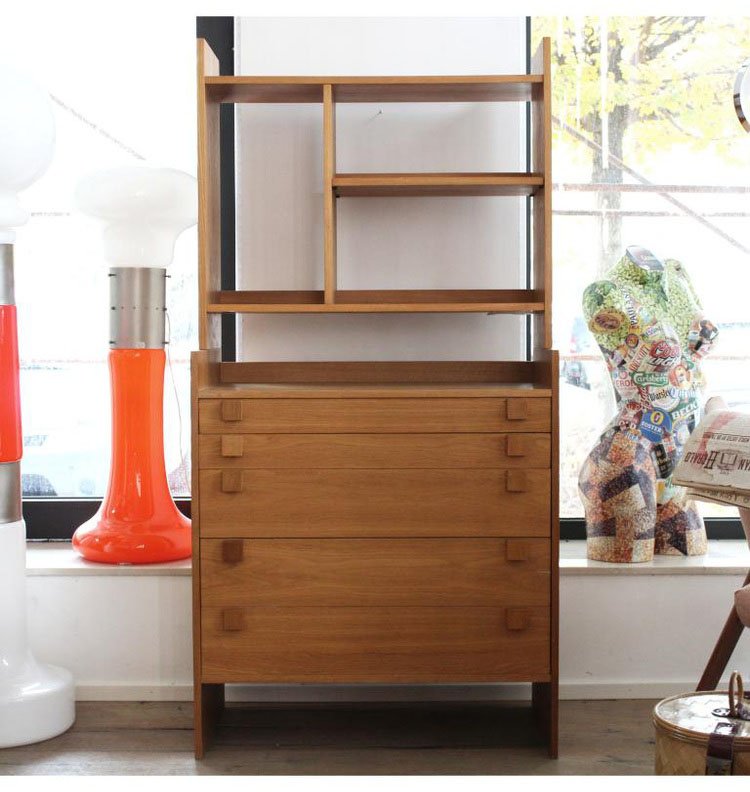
(143, 210)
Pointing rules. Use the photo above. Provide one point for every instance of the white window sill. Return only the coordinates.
(59, 558)
(723, 558)
(726, 557)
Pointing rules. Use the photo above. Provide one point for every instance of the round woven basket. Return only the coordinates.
(683, 725)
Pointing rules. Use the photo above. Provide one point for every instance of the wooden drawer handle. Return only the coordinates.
(517, 619)
(515, 446)
(232, 620)
(231, 410)
(516, 550)
(517, 409)
(232, 551)
(232, 445)
(231, 481)
(515, 481)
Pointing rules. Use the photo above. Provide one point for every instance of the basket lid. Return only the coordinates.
(690, 716)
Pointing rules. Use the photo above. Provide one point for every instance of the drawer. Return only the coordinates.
(273, 416)
(407, 503)
(375, 644)
(436, 450)
(374, 572)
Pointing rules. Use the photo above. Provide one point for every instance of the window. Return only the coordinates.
(122, 97)
(647, 151)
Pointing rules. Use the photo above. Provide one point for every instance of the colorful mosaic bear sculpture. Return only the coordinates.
(648, 322)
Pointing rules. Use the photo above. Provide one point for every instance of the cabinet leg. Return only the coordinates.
(544, 700)
(209, 703)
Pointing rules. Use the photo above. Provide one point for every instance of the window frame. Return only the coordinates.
(56, 519)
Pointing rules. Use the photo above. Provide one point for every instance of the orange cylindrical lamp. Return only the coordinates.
(144, 211)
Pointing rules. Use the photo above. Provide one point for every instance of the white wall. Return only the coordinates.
(383, 243)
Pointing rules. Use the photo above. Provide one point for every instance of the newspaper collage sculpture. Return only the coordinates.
(648, 322)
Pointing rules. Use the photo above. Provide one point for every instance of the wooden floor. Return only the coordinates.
(597, 737)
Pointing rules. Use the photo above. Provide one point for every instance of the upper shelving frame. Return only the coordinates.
(475, 88)
(328, 91)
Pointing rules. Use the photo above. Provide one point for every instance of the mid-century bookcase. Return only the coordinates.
(375, 522)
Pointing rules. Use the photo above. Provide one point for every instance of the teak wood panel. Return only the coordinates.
(271, 416)
(438, 184)
(375, 572)
(209, 201)
(541, 149)
(376, 644)
(473, 88)
(407, 502)
(434, 450)
(329, 203)
(395, 375)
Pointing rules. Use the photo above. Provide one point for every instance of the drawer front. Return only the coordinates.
(273, 416)
(436, 450)
(362, 503)
(374, 572)
(375, 644)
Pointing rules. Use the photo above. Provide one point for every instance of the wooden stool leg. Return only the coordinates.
(726, 644)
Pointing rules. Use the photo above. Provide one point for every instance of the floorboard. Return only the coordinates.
(154, 738)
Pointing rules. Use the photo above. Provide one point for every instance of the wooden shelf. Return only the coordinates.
(435, 184)
(386, 379)
(474, 88)
(507, 301)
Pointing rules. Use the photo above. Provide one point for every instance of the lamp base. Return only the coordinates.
(37, 701)
(109, 541)
(36, 704)
(138, 522)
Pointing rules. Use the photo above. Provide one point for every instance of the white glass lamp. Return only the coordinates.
(36, 701)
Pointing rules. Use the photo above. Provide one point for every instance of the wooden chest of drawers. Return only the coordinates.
(375, 522)
(381, 534)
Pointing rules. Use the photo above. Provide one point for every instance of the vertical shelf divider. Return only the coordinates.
(329, 198)
(541, 153)
(209, 202)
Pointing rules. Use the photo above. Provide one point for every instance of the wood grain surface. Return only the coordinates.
(374, 503)
(359, 450)
(375, 644)
(373, 416)
(372, 572)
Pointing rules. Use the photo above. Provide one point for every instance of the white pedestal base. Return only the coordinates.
(36, 704)
(36, 701)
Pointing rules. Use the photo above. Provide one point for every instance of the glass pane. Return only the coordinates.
(115, 104)
(647, 150)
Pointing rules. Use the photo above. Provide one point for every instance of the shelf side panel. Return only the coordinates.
(541, 141)
(329, 200)
(209, 201)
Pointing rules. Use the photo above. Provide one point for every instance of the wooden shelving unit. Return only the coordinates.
(329, 91)
(331, 498)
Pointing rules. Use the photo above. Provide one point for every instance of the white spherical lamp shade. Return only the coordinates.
(143, 210)
(27, 142)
